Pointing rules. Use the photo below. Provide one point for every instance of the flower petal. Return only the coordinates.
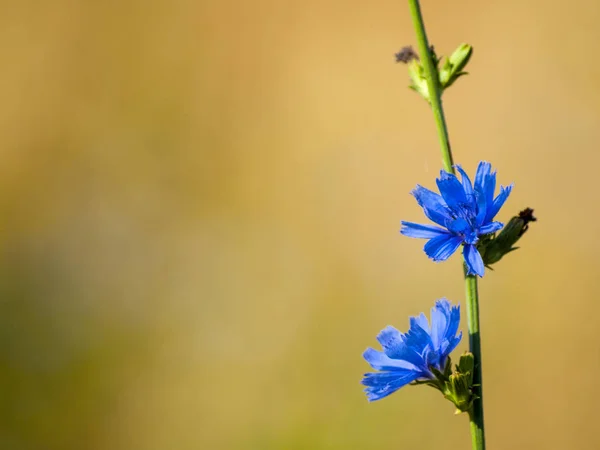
(380, 361)
(433, 205)
(498, 202)
(450, 345)
(453, 321)
(417, 230)
(433, 358)
(380, 378)
(488, 190)
(380, 385)
(395, 347)
(442, 247)
(483, 169)
(491, 227)
(481, 207)
(451, 189)
(440, 319)
(418, 337)
(466, 183)
(422, 322)
(473, 260)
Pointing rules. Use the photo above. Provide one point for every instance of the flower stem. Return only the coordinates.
(435, 95)
(476, 412)
(433, 84)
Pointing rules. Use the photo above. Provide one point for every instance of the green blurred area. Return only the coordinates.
(201, 204)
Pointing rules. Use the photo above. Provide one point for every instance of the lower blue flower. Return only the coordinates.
(410, 356)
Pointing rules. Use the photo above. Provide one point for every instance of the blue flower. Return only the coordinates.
(407, 357)
(465, 211)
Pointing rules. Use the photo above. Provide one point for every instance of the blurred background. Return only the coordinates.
(200, 211)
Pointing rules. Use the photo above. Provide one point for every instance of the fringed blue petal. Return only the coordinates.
(442, 247)
(473, 260)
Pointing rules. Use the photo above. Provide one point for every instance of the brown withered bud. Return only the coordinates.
(527, 216)
(406, 54)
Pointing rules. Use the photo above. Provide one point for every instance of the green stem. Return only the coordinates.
(476, 412)
(435, 95)
(433, 85)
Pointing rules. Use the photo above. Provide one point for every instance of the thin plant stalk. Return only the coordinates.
(476, 412)
(433, 85)
(472, 297)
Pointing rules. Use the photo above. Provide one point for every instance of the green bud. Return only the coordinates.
(417, 78)
(455, 386)
(458, 391)
(494, 248)
(460, 57)
(466, 363)
(454, 65)
(459, 386)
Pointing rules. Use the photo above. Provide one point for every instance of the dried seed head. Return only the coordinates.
(406, 54)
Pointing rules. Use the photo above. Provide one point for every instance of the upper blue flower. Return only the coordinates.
(407, 357)
(465, 210)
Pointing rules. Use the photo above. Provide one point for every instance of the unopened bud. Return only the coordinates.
(494, 249)
(454, 65)
(459, 387)
(456, 386)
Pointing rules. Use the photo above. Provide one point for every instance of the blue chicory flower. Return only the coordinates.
(407, 357)
(465, 211)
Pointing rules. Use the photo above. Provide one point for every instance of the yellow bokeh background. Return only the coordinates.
(200, 213)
